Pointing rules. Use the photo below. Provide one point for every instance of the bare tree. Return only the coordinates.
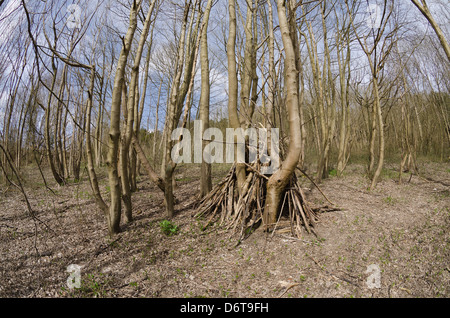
(179, 88)
(278, 181)
(376, 58)
(423, 8)
(205, 185)
(115, 208)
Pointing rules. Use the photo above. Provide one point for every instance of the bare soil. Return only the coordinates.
(397, 232)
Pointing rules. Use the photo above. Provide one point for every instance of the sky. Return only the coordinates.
(116, 17)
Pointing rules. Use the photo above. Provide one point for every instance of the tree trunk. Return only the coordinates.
(380, 134)
(423, 8)
(130, 117)
(278, 181)
(155, 130)
(90, 161)
(177, 97)
(150, 172)
(115, 209)
(51, 163)
(205, 184)
(233, 85)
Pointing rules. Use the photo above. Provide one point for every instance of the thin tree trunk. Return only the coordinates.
(423, 8)
(50, 157)
(150, 172)
(344, 86)
(130, 117)
(115, 209)
(90, 161)
(177, 97)
(380, 134)
(233, 85)
(155, 130)
(205, 184)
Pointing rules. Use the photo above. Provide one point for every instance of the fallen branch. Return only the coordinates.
(154, 177)
(331, 274)
(287, 288)
(20, 187)
(315, 184)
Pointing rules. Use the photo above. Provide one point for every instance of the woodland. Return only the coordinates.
(91, 93)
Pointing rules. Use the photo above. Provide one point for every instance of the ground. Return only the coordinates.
(393, 241)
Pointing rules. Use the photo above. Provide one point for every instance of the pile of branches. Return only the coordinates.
(243, 213)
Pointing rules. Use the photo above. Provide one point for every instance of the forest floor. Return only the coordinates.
(399, 233)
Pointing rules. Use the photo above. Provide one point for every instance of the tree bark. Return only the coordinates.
(423, 8)
(130, 117)
(115, 209)
(90, 161)
(50, 157)
(150, 172)
(233, 85)
(278, 181)
(205, 182)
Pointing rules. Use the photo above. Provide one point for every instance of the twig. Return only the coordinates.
(315, 184)
(256, 171)
(287, 288)
(295, 239)
(101, 250)
(20, 187)
(6, 190)
(331, 274)
(8, 226)
(406, 290)
(42, 174)
(279, 217)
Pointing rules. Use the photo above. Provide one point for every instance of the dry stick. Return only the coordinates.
(42, 175)
(245, 194)
(299, 226)
(279, 217)
(203, 205)
(256, 171)
(331, 274)
(257, 199)
(308, 211)
(315, 184)
(156, 179)
(101, 250)
(289, 287)
(230, 201)
(6, 190)
(247, 204)
(291, 214)
(300, 209)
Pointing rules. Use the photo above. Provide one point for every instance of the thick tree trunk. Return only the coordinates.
(279, 180)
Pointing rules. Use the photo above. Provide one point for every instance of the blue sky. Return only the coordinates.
(114, 17)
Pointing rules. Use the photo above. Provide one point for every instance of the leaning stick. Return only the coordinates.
(315, 184)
